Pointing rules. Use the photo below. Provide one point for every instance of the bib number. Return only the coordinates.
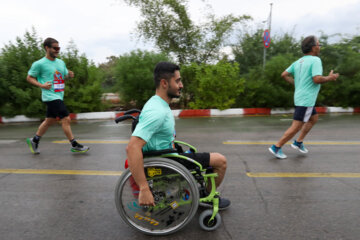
(59, 83)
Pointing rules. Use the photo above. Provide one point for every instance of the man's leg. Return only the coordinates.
(290, 132)
(307, 127)
(33, 143)
(76, 147)
(44, 126)
(298, 144)
(219, 163)
(65, 123)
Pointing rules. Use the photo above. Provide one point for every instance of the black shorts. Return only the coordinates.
(202, 158)
(303, 114)
(56, 109)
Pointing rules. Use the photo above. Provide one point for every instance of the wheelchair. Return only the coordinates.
(177, 191)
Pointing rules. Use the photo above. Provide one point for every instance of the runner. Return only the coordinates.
(50, 74)
(306, 75)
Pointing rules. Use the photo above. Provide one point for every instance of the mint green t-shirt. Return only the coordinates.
(303, 70)
(156, 125)
(45, 70)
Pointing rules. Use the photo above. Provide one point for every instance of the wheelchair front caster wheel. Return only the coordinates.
(206, 224)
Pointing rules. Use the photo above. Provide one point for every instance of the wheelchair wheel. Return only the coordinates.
(206, 224)
(175, 193)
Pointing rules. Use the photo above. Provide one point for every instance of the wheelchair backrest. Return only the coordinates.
(130, 115)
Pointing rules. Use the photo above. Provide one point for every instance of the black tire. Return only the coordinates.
(175, 192)
(204, 220)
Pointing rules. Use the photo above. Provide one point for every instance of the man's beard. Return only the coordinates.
(53, 55)
(172, 95)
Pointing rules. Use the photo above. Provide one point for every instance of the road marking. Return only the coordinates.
(8, 141)
(118, 173)
(302, 175)
(229, 142)
(96, 141)
(61, 172)
(235, 142)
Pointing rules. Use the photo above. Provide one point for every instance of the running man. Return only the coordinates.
(50, 74)
(306, 75)
(156, 131)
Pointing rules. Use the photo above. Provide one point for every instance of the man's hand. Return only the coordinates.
(70, 75)
(322, 79)
(146, 198)
(287, 76)
(333, 76)
(46, 85)
(136, 166)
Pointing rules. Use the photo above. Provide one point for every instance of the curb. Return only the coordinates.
(190, 113)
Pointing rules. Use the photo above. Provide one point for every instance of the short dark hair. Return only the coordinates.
(308, 43)
(49, 41)
(164, 70)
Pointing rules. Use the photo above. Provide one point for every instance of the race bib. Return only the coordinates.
(59, 83)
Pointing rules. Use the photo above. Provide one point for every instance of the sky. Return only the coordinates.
(102, 28)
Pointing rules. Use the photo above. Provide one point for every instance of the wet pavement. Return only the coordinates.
(62, 195)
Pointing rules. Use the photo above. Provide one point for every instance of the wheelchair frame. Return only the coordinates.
(196, 178)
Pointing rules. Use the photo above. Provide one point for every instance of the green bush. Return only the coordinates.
(265, 88)
(17, 95)
(134, 76)
(83, 92)
(215, 86)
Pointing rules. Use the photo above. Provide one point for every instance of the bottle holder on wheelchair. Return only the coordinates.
(177, 192)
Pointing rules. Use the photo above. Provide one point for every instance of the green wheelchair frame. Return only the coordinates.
(196, 177)
(213, 196)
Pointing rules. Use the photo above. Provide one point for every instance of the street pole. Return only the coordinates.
(269, 28)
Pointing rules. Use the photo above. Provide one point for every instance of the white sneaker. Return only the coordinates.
(299, 146)
(277, 152)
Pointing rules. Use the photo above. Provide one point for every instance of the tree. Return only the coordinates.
(167, 23)
(249, 51)
(83, 92)
(17, 96)
(216, 86)
(342, 57)
(107, 70)
(265, 88)
(134, 76)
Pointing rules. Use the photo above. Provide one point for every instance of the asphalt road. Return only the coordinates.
(62, 195)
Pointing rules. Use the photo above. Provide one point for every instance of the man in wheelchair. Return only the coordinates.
(156, 131)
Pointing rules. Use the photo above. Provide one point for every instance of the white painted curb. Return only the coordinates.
(95, 115)
(281, 111)
(340, 110)
(227, 112)
(19, 118)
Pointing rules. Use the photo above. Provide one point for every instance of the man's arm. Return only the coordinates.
(136, 165)
(34, 82)
(322, 79)
(287, 76)
(69, 75)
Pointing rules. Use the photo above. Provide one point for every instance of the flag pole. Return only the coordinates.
(269, 28)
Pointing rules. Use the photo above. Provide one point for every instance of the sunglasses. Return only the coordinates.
(56, 48)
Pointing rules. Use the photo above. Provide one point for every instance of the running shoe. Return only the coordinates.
(33, 146)
(277, 152)
(300, 146)
(80, 148)
(223, 204)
